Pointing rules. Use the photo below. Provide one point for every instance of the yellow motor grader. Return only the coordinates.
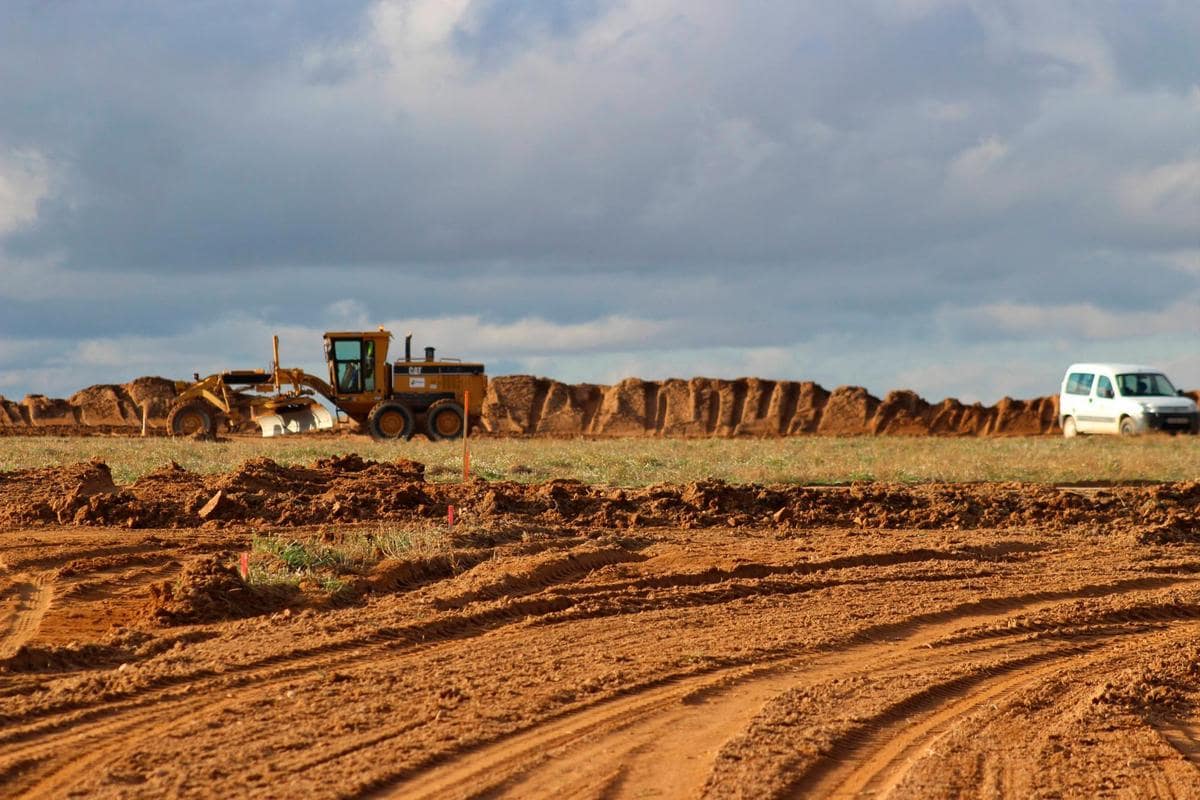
(388, 400)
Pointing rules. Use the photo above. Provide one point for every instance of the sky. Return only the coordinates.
(958, 197)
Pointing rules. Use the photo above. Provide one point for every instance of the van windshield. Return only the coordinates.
(1145, 384)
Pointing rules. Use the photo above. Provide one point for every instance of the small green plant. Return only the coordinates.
(300, 556)
(334, 586)
(413, 540)
(262, 577)
(333, 560)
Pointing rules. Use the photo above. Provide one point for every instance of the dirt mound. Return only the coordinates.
(260, 491)
(1165, 684)
(52, 494)
(349, 489)
(338, 488)
(108, 404)
(107, 408)
(207, 589)
(523, 405)
(491, 580)
(394, 573)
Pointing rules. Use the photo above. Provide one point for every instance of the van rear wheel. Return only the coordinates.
(1069, 429)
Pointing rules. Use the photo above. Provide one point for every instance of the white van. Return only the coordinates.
(1122, 398)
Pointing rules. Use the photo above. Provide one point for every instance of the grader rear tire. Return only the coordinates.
(390, 420)
(194, 419)
(444, 420)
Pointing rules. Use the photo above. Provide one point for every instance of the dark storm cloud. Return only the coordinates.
(752, 175)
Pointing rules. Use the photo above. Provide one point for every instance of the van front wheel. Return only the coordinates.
(1069, 429)
(1128, 426)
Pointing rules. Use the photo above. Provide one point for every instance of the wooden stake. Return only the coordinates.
(244, 565)
(145, 416)
(466, 429)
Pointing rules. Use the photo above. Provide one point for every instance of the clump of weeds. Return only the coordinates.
(329, 564)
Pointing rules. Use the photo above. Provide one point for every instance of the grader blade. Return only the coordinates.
(313, 418)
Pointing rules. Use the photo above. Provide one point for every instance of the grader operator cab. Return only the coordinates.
(390, 400)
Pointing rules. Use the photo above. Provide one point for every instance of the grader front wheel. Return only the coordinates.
(191, 419)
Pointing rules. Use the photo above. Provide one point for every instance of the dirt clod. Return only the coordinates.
(213, 506)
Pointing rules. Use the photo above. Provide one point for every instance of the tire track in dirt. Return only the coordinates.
(172, 697)
(60, 554)
(872, 764)
(669, 749)
(155, 713)
(621, 747)
(306, 658)
(462, 623)
(495, 768)
(646, 700)
(1183, 735)
(874, 757)
(128, 583)
(1000, 552)
(32, 597)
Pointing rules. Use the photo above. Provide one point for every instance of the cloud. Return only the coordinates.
(1185, 259)
(471, 334)
(1065, 41)
(1076, 321)
(863, 192)
(24, 182)
(1167, 195)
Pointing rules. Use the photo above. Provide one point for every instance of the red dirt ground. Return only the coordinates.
(874, 641)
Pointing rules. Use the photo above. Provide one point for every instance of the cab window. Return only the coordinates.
(1104, 388)
(368, 367)
(1080, 383)
(347, 365)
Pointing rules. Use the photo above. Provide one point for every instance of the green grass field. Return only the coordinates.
(640, 462)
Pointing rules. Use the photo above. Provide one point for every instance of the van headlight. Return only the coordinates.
(1144, 408)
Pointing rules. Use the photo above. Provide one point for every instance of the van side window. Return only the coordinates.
(1080, 383)
(1104, 388)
